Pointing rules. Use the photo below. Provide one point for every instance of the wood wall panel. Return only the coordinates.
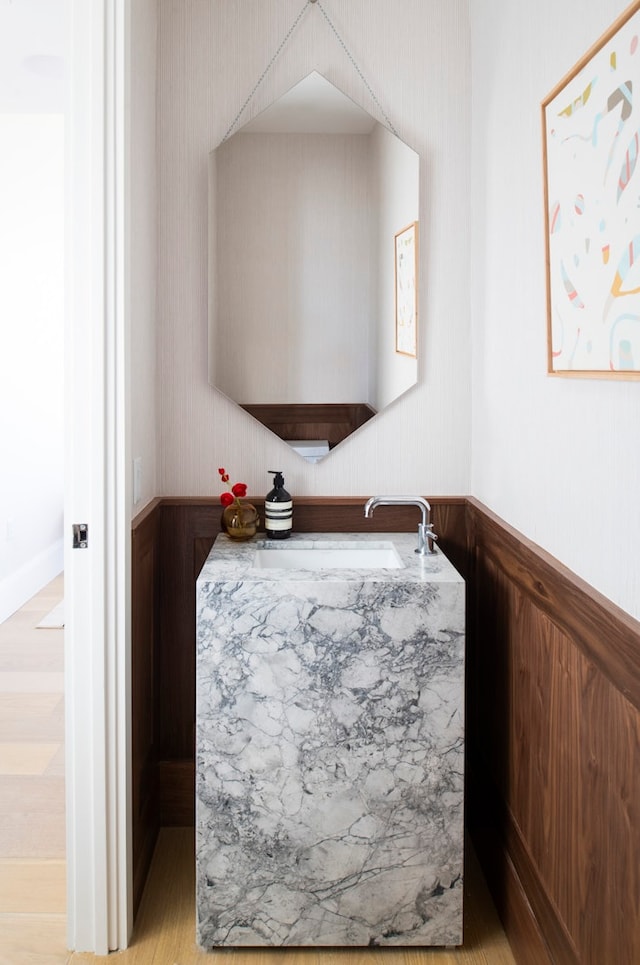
(328, 422)
(510, 895)
(176, 797)
(606, 634)
(554, 744)
(182, 524)
(144, 626)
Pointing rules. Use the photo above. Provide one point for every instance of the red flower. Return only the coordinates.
(238, 490)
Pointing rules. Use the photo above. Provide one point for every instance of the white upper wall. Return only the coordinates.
(143, 239)
(397, 175)
(211, 56)
(292, 217)
(31, 354)
(558, 458)
(32, 104)
(33, 37)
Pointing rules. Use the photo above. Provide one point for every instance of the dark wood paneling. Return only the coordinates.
(331, 423)
(144, 551)
(176, 801)
(553, 748)
(184, 527)
(607, 636)
(510, 896)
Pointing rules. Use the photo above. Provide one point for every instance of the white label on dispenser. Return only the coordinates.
(278, 516)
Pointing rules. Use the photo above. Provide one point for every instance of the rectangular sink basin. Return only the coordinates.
(329, 556)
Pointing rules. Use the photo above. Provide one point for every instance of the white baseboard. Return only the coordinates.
(20, 586)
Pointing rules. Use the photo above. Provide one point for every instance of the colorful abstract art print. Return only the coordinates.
(406, 274)
(591, 134)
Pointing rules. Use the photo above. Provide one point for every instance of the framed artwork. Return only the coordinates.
(406, 275)
(591, 144)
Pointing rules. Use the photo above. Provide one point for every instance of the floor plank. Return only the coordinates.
(21, 654)
(32, 717)
(34, 794)
(33, 940)
(31, 682)
(25, 757)
(56, 767)
(32, 886)
(32, 834)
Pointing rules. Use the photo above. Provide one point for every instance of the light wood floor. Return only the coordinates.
(32, 867)
(32, 828)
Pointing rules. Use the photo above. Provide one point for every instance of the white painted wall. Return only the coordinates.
(31, 354)
(558, 458)
(142, 280)
(397, 174)
(416, 60)
(32, 48)
(293, 220)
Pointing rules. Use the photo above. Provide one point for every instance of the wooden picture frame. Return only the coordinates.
(406, 290)
(591, 156)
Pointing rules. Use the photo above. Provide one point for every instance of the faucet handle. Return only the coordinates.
(426, 538)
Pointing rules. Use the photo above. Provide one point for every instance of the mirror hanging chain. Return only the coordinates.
(266, 71)
(352, 60)
(281, 46)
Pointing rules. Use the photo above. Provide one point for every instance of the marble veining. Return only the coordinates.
(330, 752)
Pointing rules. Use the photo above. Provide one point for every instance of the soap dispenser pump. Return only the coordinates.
(278, 509)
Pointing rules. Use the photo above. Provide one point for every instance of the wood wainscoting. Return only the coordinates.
(328, 422)
(145, 555)
(553, 751)
(553, 717)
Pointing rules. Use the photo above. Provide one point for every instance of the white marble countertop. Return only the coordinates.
(232, 561)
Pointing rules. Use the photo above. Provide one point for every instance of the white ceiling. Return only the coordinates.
(33, 35)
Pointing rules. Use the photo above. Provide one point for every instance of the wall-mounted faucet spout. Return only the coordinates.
(426, 536)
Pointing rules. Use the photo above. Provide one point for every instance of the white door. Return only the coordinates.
(97, 578)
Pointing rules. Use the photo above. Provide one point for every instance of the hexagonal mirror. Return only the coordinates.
(313, 223)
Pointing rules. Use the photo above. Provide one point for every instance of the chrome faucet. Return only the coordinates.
(426, 536)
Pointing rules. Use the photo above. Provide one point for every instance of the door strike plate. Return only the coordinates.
(80, 536)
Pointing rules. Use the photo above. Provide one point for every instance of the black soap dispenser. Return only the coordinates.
(278, 509)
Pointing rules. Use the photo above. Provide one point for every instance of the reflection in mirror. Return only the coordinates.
(305, 202)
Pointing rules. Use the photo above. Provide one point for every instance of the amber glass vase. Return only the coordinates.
(240, 520)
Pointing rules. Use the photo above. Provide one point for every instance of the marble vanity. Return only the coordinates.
(329, 744)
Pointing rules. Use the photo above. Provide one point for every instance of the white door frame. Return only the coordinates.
(97, 579)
